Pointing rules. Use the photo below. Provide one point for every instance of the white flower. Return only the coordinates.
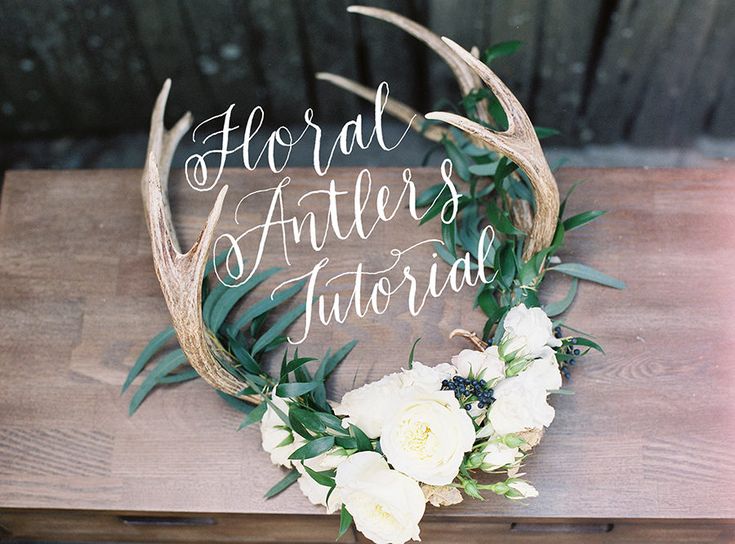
(273, 433)
(314, 491)
(370, 406)
(485, 365)
(385, 504)
(520, 404)
(427, 435)
(522, 489)
(544, 372)
(527, 332)
(498, 455)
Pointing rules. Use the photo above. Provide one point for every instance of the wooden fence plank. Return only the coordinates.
(629, 56)
(280, 57)
(516, 20)
(222, 54)
(330, 48)
(394, 56)
(465, 24)
(672, 74)
(707, 79)
(165, 38)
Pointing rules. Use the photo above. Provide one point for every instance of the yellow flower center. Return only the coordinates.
(417, 437)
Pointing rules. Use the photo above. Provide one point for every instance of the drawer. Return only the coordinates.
(65, 525)
(467, 531)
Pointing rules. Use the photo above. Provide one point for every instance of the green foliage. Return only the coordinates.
(490, 185)
(241, 344)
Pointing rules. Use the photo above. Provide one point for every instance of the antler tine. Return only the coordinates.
(520, 144)
(397, 109)
(181, 275)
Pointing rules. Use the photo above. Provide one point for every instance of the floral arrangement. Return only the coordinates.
(425, 433)
(422, 433)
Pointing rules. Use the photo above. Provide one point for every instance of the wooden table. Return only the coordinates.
(643, 451)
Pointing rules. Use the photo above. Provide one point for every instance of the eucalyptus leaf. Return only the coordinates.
(459, 160)
(254, 416)
(345, 521)
(226, 302)
(295, 389)
(287, 481)
(278, 327)
(560, 306)
(583, 218)
(313, 448)
(156, 343)
(261, 307)
(500, 49)
(588, 273)
(168, 364)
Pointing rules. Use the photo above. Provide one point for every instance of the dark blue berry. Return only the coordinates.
(482, 383)
(457, 394)
(572, 362)
(468, 407)
(481, 405)
(577, 352)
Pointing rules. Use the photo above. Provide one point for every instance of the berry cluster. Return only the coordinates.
(467, 390)
(570, 350)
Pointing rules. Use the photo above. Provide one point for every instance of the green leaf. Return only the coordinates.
(410, 355)
(296, 389)
(487, 169)
(313, 448)
(571, 190)
(545, 132)
(287, 481)
(345, 521)
(294, 364)
(499, 221)
(362, 440)
(435, 208)
(261, 307)
(166, 365)
(233, 295)
(497, 112)
(185, 376)
(583, 218)
(307, 418)
(580, 341)
(278, 327)
(429, 195)
(588, 273)
(500, 49)
(555, 308)
(255, 415)
(449, 258)
(215, 262)
(459, 160)
(148, 352)
(330, 362)
(238, 404)
(324, 477)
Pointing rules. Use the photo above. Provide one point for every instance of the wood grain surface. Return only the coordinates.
(647, 435)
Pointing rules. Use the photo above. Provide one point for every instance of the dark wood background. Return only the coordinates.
(652, 72)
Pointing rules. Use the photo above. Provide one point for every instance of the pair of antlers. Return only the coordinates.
(181, 274)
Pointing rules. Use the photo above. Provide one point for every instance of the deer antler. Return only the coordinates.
(181, 275)
(520, 144)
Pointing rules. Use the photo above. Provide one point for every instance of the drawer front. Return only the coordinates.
(447, 531)
(136, 527)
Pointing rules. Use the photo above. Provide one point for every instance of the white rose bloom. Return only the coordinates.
(272, 435)
(527, 331)
(385, 505)
(314, 491)
(526, 490)
(370, 406)
(498, 455)
(485, 365)
(520, 404)
(427, 436)
(544, 372)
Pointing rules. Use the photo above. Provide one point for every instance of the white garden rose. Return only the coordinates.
(385, 505)
(485, 365)
(520, 404)
(544, 372)
(272, 434)
(521, 490)
(527, 332)
(427, 436)
(498, 455)
(370, 406)
(314, 491)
